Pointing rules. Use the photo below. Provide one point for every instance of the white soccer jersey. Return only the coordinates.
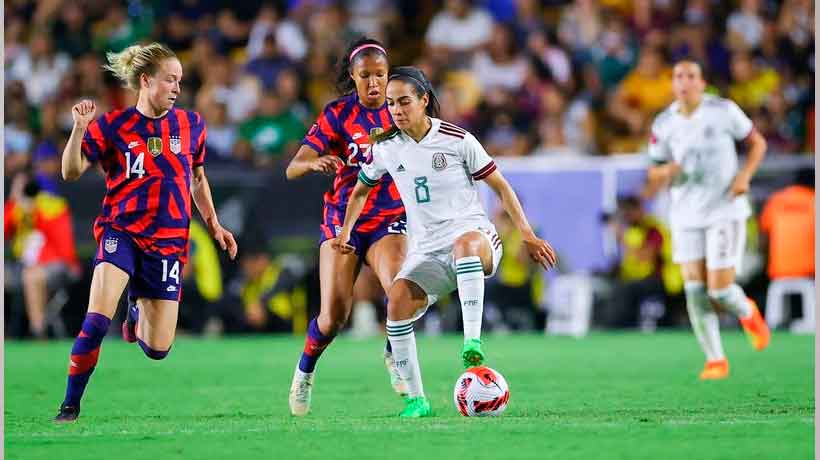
(703, 144)
(436, 180)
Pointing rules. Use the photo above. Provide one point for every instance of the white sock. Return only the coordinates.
(733, 299)
(470, 278)
(704, 320)
(403, 341)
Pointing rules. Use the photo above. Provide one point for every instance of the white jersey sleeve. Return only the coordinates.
(478, 161)
(659, 151)
(740, 126)
(373, 169)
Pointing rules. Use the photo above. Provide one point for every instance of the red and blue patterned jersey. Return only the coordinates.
(343, 130)
(147, 164)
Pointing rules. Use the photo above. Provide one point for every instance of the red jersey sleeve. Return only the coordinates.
(95, 141)
(324, 133)
(201, 133)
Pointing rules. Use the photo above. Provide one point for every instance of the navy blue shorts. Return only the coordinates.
(362, 241)
(152, 276)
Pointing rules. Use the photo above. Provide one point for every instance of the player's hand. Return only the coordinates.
(671, 170)
(541, 252)
(83, 113)
(226, 240)
(342, 243)
(740, 185)
(327, 164)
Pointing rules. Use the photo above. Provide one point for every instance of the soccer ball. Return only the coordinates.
(481, 392)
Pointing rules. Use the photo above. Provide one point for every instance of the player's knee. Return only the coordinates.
(467, 245)
(153, 353)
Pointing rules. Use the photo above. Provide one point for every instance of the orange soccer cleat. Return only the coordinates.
(715, 370)
(756, 328)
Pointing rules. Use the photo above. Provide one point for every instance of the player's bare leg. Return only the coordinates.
(473, 260)
(157, 326)
(724, 292)
(386, 257)
(107, 284)
(405, 300)
(704, 320)
(337, 273)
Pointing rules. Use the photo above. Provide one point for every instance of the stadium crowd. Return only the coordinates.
(550, 77)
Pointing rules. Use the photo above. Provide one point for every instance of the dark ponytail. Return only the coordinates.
(422, 85)
(345, 84)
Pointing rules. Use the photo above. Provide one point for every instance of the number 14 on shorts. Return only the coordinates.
(172, 273)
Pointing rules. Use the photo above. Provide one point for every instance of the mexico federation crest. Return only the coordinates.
(175, 144)
(439, 161)
(375, 131)
(110, 245)
(154, 145)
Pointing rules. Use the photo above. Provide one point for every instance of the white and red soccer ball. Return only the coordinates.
(481, 392)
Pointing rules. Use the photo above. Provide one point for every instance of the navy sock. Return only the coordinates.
(84, 356)
(315, 344)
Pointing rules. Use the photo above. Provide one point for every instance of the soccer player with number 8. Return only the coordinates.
(153, 156)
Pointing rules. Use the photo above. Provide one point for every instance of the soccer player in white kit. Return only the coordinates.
(693, 151)
(452, 243)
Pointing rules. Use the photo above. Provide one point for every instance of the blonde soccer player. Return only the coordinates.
(453, 245)
(153, 156)
(692, 147)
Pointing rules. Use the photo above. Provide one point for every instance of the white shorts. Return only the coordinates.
(722, 244)
(435, 272)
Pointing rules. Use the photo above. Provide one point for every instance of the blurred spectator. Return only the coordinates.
(580, 28)
(40, 68)
(287, 34)
(553, 57)
(18, 138)
(615, 54)
(46, 162)
(500, 66)
(269, 294)
(457, 31)
(272, 132)
(202, 281)
(642, 94)
(751, 85)
(222, 135)
(744, 27)
(787, 221)
(38, 225)
(71, 31)
(222, 83)
(269, 63)
(639, 286)
(511, 297)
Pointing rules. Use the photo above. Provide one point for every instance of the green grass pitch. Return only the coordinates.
(608, 396)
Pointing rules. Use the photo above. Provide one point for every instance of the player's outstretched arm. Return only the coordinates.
(355, 204)
(308, 160)
(74, 164)
(201, 191)
(757, 150)
(540, 251)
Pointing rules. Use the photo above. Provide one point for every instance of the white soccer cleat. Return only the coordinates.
(300, 388)
(398, 383)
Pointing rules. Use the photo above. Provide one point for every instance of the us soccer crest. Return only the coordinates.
(110, 245)
(175, 144)
(439, 161)
(154, 145)
(375, 132)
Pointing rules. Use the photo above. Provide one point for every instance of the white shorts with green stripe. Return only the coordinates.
(435, 272)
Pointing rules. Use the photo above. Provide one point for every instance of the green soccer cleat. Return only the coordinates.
(471, 353)
(417, 407)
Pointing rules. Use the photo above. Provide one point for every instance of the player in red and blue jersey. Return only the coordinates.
(153, 156)
(335, 145)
